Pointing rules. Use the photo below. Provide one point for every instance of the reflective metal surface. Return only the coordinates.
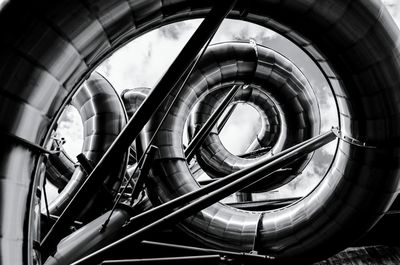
(278, 90)
(48, 47)
(85, 240)
(103, 117)
(132, 99)
(59, 169)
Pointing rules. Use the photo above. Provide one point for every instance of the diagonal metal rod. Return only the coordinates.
(238, 255)
(45, 198)
(188, 54)
(231, 184)
(225, 118)
(255, 153)
(151, 149)
(198, 139)
(157, 212)
(212, 259)
(144, 171)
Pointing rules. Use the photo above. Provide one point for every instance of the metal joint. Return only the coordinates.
(351, 140)
(34, 147)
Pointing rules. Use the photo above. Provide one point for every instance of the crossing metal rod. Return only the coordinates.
(225, 118)
(212, 193)
(198, 139)
(169, 260)
(177, 69)
(237, 255)
(157, 212)
(143, 173)
(255, 153)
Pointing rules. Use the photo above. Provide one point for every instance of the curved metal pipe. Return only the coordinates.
(270, 120)
(53, 45)
(59, 169)
(103, 117)
(276, 86)
(132, 99)
(88, 238)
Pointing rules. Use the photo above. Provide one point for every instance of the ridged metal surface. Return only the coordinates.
(132, 99)
(103, 117)
(47, 47)
(59, 169)
(88, 238)
(277, 89)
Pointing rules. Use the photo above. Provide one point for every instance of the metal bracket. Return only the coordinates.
(34, 147)
(351, 140)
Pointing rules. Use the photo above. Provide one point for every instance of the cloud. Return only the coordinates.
(143, 61)
(241, 129)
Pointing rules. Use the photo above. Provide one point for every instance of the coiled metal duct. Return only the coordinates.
(268, 111)
(223, 65)
(270, 76)
(103, 117)
(49, 47)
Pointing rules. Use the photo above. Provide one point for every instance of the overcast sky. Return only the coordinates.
(143, 61)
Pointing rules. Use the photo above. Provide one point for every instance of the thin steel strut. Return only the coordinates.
(188, 54)
(255, 153)
(144, 171)
(34, 147)
(169, 260)
(225, 118)
(231, 184)
(237, 255)
(150, 150)
(199, 138)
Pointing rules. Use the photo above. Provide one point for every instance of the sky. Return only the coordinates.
(143, 62)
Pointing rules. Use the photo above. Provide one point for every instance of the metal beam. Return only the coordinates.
(215, 192)
(169, 260)
(236, 255)
(188, 54)
(144, 168)
(225, 118)
(199, 138)
(255, 153)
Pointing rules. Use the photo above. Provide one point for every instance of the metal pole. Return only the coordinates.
(188, 54)
(238, 255)
(143, 173)
(170, 260)
(198, 139)
(255, 153)
(225, 118)
(157, 212)
(236, 182)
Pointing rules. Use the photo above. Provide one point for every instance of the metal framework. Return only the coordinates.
(366, 148)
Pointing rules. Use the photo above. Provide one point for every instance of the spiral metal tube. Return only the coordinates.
(277, 88)
(50, 47)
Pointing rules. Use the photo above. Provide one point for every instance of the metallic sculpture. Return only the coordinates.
(276, 87)
(53, 46)
(103, 117)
